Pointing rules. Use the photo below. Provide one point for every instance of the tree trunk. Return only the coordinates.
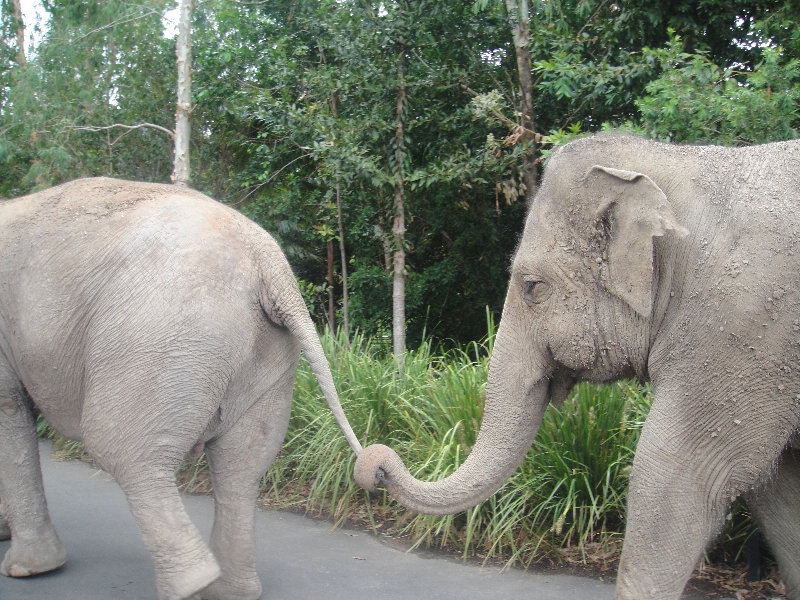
(331, 303)
(112, 62)
(340, 223)
(519, 18)
(183, 50)
(399, 227)
(20, 25)
(345, 315)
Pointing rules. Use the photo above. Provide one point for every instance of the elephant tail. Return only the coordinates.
(283, 304)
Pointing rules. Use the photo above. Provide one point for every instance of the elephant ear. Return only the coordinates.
(637, 211)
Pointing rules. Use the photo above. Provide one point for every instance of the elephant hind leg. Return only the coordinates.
(140, 445)
(35, 547)
(238, 460)
(776, 507)
(184, 564)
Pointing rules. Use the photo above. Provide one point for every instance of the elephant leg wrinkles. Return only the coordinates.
(685, 474)
(237, 460)
(143, 458)
(776, 507)
(35, 546)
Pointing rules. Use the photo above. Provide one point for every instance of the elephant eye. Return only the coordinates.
(536, 291)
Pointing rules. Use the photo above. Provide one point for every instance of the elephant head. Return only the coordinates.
(579, 306)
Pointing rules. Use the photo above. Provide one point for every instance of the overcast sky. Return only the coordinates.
(34, 15)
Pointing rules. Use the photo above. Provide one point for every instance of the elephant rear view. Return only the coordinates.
(677, 265)
(147, 320)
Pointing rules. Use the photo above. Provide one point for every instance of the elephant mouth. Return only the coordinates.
(561, 382)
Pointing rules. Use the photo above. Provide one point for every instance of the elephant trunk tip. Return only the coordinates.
(373, 465)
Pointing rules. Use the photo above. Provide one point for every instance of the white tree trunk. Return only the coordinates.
(183, 50)
(399, 227)
(20, 26)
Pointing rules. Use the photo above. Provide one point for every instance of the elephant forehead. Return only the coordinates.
(549, 260)
(555, 233)
(562, 211)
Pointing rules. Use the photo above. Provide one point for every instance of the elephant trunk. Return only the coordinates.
(515, 405)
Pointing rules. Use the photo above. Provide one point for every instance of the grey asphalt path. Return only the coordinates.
(297, 558)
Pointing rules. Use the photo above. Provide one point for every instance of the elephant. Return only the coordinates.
(148, 320)
(677, 265)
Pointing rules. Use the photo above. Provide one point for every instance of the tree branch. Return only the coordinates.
(592, 18)
(270, 178)
(121, 21)
(171, 134)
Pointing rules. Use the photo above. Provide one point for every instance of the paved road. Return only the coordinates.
(298, 558)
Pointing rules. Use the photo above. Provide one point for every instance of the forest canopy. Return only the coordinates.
(298, 104)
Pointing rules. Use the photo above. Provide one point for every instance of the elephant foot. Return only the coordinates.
(225, 588)
(179, 586)
(28, 557)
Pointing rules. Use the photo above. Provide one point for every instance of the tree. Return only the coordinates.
(399, 226)
(20, 27)
(519, 17)
(183, 51)
(696, 101)
(98, 65)
(297, 151)
(398, 126)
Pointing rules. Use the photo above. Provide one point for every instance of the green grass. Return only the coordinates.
(570, 489)
(569, 492)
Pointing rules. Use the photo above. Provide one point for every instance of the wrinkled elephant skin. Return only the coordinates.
(146, 320)
(681, 266)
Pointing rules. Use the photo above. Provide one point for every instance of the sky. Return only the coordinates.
(33, 14)
(34, 17)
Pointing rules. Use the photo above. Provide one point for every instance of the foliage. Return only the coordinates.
(316, 107)
(696, 101)
(63, 448)
(100, 63)
(294, 98)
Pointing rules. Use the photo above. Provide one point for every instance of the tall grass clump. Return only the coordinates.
(570, 489)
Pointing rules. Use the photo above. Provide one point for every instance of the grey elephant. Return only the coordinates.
(147, 320)
(680, 266)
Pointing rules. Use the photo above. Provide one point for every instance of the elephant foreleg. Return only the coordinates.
(670, 521)
(776, 506)
(238, 459)
(689, 464)
(35, 547)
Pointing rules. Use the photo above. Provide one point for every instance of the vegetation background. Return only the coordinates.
(296, 106)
